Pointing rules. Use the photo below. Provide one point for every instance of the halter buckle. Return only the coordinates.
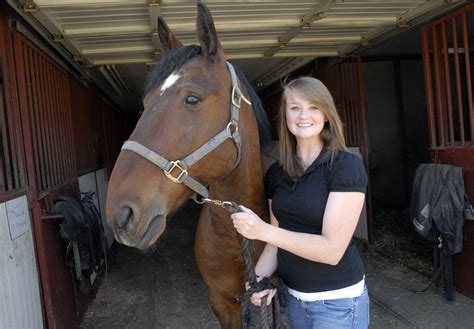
(176, 165)
(237, 98)
(233, 124)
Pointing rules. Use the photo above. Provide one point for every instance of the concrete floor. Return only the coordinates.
(163, 289)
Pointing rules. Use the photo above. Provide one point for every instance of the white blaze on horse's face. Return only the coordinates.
(169, 82)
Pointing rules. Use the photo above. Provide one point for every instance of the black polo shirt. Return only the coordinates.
(299, 207)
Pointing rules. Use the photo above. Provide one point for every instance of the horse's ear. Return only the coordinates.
(206, 32)
(167, 39)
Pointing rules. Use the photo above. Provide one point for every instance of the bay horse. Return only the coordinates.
(206, 117)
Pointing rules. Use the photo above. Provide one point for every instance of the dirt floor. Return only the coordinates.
(163, 289)
(395, 236)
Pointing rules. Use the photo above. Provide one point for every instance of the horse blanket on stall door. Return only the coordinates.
(437, 203)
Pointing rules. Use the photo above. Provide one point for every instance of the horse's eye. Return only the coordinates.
(192, 100)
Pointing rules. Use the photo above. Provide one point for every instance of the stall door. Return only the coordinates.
(20, 300)
(447, 58)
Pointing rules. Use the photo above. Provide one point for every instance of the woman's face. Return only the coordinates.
(304, 119)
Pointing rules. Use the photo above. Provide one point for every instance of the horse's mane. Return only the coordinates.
(178, 56)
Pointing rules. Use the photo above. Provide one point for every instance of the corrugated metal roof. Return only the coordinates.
(120, 32)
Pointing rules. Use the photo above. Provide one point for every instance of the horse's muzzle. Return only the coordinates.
(133, 231)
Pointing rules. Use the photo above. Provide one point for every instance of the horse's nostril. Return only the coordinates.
(124, 216)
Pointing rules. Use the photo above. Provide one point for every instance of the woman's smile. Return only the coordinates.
(305, 120)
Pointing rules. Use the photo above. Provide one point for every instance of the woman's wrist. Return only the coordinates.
(267, 232)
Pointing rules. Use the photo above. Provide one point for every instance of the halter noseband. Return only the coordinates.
(177, 171)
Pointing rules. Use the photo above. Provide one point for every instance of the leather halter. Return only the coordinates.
(177, 171)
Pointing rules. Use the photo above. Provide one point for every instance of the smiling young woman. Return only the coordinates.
(316, 192)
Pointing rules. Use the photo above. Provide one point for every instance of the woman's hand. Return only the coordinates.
(249, 224)
(256, 297)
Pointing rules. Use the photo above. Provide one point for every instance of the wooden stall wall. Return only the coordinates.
(12, 162)
(44, 104)
(447, 59)
(86, 139)
(344, 80)
(115, 133)
(20, 303)
(53, 129)
(94, 142)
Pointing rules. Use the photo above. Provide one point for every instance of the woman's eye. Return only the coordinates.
(192, 100)
(314, 108)
(294, 108)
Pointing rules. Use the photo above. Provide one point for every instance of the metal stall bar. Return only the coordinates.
(457, 73)
(5, 178)
(438, 84)
(343, 96)
(345, 101)
(428, 86)
(55, 76)
(42, 114)
(351, 67)
(61, 174)
(364, 132)
(62, 145)
(364, 140)
(60, 78)
(36, 123)
(468, 73)
(72, 167)
(447, 79)
(8, 176)
(453, 107)
(50, 142)
(350, 124)
(56, 82)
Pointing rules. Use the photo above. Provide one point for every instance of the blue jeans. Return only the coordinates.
(334, 314)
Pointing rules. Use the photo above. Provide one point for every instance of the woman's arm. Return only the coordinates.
(339, 222)
(267, 263)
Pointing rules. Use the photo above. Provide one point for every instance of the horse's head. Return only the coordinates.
(187, 102)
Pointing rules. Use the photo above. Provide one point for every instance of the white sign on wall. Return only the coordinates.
(17, 216)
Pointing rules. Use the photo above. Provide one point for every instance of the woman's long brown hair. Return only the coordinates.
(332, 134)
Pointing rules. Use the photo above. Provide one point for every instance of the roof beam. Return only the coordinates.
(224, 26)
(282, 69)
(228, 45)
(316, 13)
(67, 50)
(55, 29)
(288, 53)
(108, 30)
(154, 10)
(141, 48)
(419, 14)
(115, 61)
(63, 3)
(229, 55)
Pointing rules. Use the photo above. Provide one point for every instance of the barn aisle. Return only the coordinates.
(157, 289)
(163, 289)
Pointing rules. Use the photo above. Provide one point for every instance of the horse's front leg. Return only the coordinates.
(227, 309)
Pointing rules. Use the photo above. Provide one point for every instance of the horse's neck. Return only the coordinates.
(244, 185)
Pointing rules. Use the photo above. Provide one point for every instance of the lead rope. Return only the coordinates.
(270, 315)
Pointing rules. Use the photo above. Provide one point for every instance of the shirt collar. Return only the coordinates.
(323, 157)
